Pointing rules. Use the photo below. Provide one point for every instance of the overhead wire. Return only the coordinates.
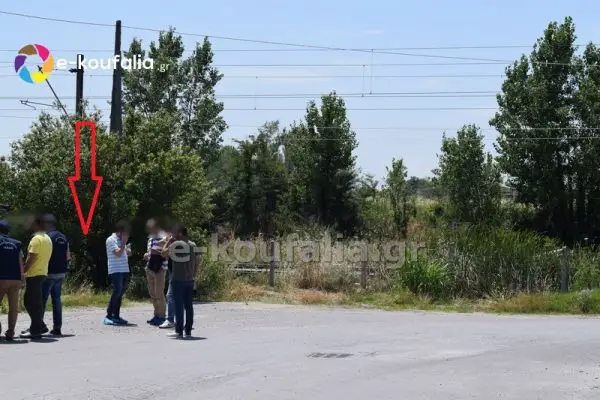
(267, 42)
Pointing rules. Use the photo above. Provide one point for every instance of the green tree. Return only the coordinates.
(144, 175)
(259, 182)
(322, 165)
(186, 87)
(399, 196)
(548, 106)
(469, 177)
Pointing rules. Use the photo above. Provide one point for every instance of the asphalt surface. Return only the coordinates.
(283, 352)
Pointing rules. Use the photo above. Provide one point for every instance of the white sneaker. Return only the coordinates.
(167, 325)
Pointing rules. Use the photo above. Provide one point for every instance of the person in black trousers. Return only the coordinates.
(182, 253)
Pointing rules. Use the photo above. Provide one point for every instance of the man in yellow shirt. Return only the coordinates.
(36, 269)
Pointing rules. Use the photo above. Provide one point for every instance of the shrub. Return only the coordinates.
(485, 260)
(426, 277)
(584, 269)
(212, 280)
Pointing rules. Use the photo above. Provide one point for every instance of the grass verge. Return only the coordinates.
(541, 303)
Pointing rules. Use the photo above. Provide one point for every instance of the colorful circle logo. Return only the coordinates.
(34, 76)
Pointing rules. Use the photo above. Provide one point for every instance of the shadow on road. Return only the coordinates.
(194, 338)
(14, 341)
(43, 340)
(69, 335)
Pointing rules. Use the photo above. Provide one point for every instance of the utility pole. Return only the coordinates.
(79, 86)
(116, 104)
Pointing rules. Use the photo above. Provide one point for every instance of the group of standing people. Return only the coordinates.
(41, 270)
(42, 267)
(170, 255)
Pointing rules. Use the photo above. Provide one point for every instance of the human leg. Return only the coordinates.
(34, 305)
(13, 307)
(117, 286)
(123, 287)
(178, 295)
(189, 307)
(159, 290)
(151, 282)
(56, 293)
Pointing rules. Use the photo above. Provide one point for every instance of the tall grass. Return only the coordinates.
(484, 261)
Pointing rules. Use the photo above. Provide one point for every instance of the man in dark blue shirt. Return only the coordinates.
(57, 270)
(11, 275)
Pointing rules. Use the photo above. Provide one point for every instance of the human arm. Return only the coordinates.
(167, 246)
(32, 254)
(148, 250)
(22, 266)
(113, 246)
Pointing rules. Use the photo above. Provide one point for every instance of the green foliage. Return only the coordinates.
(186, 89)
(486, 261)
(555, 91)
(426, 277)
(320, 160)
(257, 197)
(468, 177)
(399, 196)
(145, 175)
(212, 279)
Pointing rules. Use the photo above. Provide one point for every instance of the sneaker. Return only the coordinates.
(188, 335)
(9, 335)
(167, 325)
(42, 332)
(56, 332)
(109, 321)
(120, 321)
(175, 335)
(28, 335)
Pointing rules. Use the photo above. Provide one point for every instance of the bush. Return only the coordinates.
(425, 277)
(212, 280)
(485, 261)
(584, 269)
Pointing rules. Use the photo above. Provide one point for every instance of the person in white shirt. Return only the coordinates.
(117, 253)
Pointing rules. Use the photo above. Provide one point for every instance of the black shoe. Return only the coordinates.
(56, 332)
(9, 335)
(30, 336)
(44, 330)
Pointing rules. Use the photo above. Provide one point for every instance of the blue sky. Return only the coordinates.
(382, 134)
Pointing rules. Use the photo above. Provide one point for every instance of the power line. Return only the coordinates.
(401, 128)
(275, 77)
(268, 42)
(9, 64)
(450, 94)
(369, 109)
(217, 50)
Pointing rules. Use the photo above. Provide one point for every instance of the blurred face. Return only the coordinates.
(151, 227)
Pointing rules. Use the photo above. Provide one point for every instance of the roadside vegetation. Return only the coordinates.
(514, 233)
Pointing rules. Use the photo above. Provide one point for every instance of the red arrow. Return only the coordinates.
(85, 222)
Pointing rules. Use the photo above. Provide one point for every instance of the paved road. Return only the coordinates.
(281, 352)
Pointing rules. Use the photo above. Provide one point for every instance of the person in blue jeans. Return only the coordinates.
(182, 253)
(57, 270)
(117, 253)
